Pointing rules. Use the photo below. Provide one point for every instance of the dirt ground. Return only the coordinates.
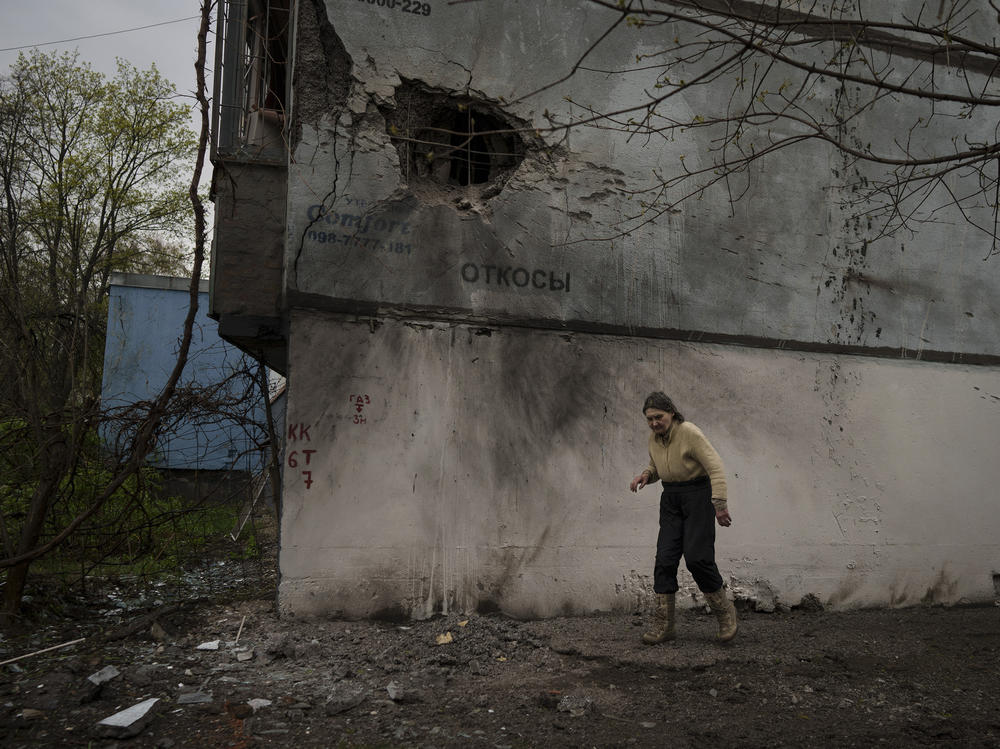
(925, 676)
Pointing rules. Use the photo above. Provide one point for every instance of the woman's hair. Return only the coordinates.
(661, 402)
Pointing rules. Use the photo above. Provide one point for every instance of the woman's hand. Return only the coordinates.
(639, 481)
(723, 517)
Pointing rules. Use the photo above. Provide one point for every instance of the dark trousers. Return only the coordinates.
(687, 527)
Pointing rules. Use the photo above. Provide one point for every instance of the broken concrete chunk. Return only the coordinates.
(575, 706)
(158, 633)
(396, 692)
(244, 655)
(106, 674)
(210, 645)
(258, 704)
(194, 698)
(128, 722)
(344, 699)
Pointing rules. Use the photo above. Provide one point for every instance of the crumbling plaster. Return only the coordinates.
(782, 264)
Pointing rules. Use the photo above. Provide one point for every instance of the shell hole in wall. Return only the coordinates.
(449, 145)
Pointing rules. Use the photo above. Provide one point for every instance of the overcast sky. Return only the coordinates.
(171, 46)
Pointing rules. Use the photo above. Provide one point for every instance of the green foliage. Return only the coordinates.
(140, 530)
(95, 173)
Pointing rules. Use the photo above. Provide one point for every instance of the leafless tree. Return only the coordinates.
(905, 92)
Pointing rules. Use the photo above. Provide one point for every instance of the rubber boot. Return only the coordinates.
(725, 612)
(663, 620)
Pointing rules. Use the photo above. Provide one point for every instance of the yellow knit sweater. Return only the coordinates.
(683, 454)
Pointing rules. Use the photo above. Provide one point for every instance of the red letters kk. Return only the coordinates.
(299, 432)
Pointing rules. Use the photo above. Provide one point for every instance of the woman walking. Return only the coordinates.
(693, 500)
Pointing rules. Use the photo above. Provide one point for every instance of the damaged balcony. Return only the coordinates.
(249, 184)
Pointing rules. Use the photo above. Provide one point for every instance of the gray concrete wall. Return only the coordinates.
(454, 452)
(565, 242)
(249, 240)
(456, 468)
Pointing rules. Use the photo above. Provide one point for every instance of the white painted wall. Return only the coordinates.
(493, 469)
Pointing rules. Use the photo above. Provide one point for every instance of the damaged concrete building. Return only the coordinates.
(470, 308)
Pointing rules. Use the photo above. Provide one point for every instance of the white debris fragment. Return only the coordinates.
(128, 722)
(106, 674)
(210, 645)
(257, 703)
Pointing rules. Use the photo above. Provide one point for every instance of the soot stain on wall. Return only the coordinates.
(549, 394)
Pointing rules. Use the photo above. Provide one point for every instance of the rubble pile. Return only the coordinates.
(235, 674)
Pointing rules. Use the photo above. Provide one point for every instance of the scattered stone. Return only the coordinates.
(158, 633)
(89, 692)
(244, 655)
(575, 706)
(106, 674)
(128, 722)
(30, 713)
(343, 700)
(713, 692)
(194, 698)
(277, 645)
(475, 668)
(258, 703)
(239, 710)
(647, 724)
(210, 645)
(810, 603)
(396, 692)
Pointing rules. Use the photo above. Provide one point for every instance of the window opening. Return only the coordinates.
(252, 61)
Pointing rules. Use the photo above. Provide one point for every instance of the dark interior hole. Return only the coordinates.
(471, 159)
(449, 143)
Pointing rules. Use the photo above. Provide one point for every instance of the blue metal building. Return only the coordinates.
(145, 324)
